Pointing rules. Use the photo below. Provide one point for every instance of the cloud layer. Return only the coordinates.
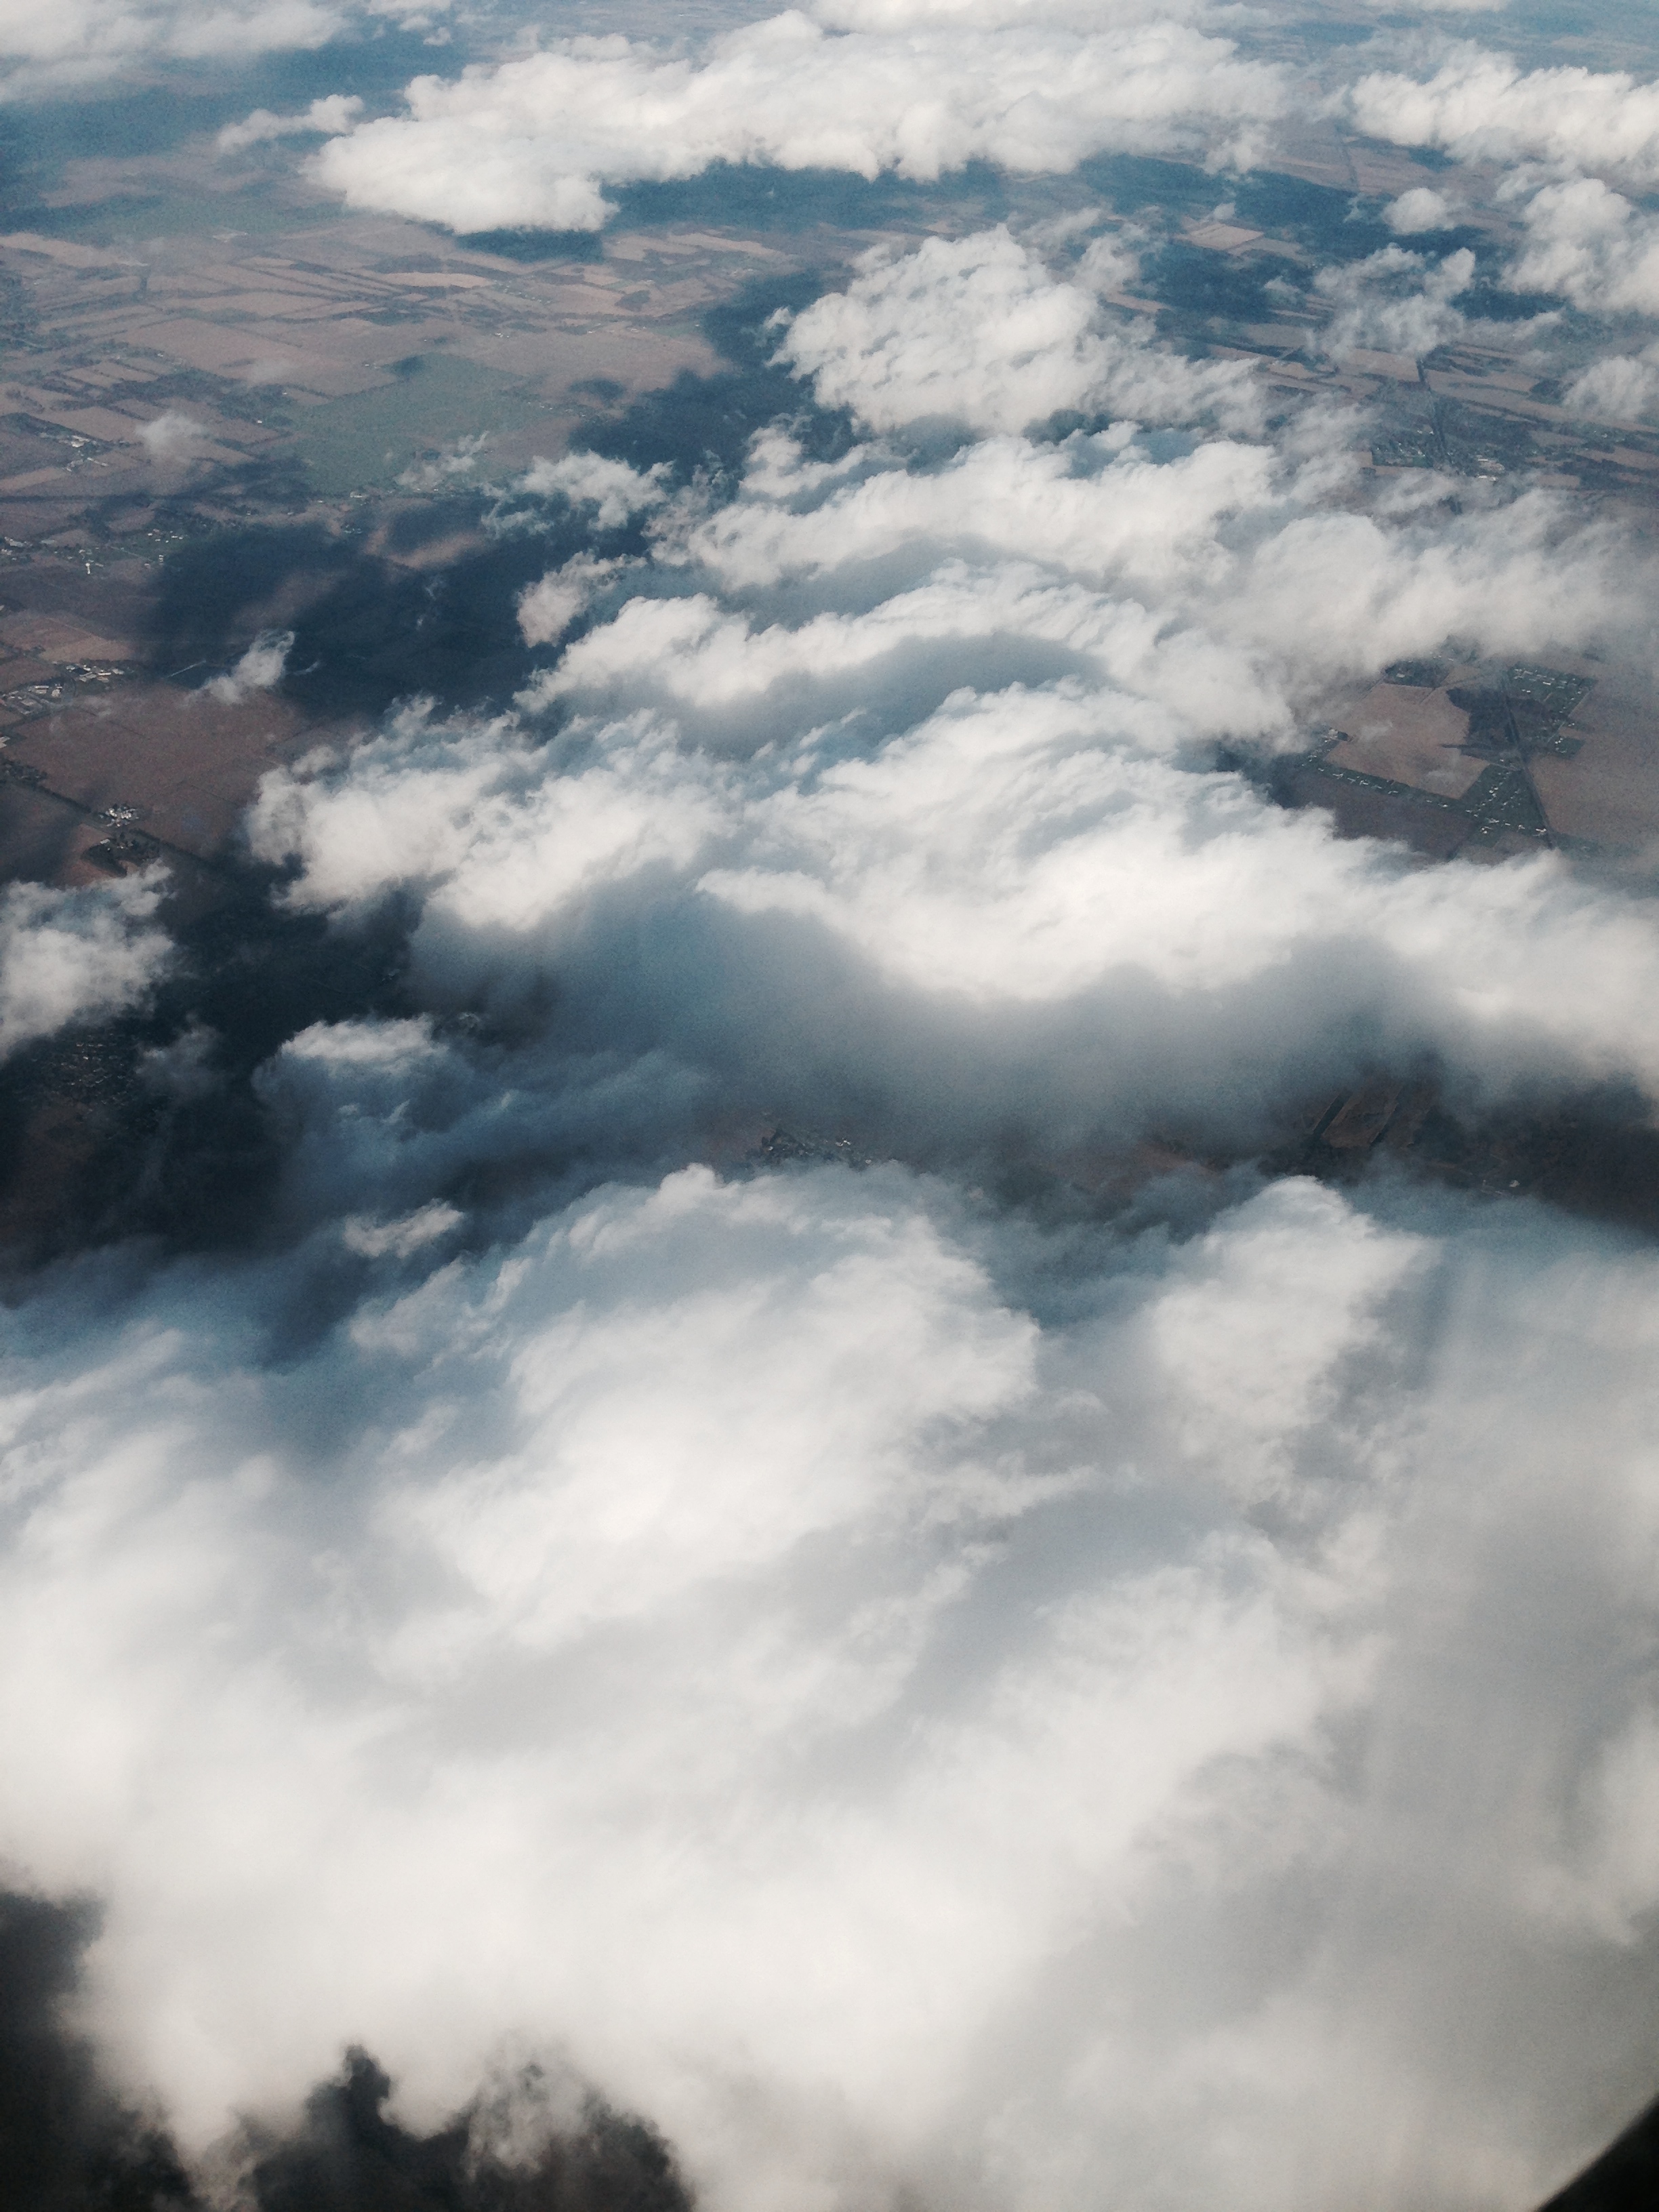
(934, 1699)
(925, 731)
(915, 1702)
(535, 141)
(1481, 105)
(666, 1680)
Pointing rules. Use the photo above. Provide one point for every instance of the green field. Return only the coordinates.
(367, 442)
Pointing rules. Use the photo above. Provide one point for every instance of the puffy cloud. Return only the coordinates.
(1232, 537)
(1395, 300)
(1481, 105)
(907, 1741)
(535, 140)
(1109, 263)
(259, 669)
(976, 330)
(325, 117)
(916, 737)
(1206, 598)
(69, 956)
(1020, 908)
(172, 437)
(547, 609)
(1583, 239)
(46, 50)
(1094, 506)
(1590, 244)
(1618, 387)
(1419, 209)
(612, 488)
(450, 467)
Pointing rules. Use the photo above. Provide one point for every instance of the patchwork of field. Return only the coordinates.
(199, 348)
(337, 357)
(1487, 760)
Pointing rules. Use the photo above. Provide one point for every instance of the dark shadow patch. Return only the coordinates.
(1195, 282)
(535, 245)
(95, 1151)
(1133, 182)
(1452, 238)
(1595, 1154)
(366, 631)
(756, 198)
(350, 2157)
(1487, 301)
(706, 423)
(67, 2143)
(380, 634)
(1328, 222)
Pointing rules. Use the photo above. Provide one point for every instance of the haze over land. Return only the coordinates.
(827, 1025)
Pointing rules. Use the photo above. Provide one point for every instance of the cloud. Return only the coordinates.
(952, 765)
(946, 794)
(1584, 240)
(259, 669)
(1395, 300)
(535, 141)
(1619, 387)
(1035, 918)
(976, 330)
(45, 53)
(373, 1240)
(1419, 209)
(547, 609)
(1095, 506)
(1480, 105)
(337, 112)
(1590, 244)
(172, 437)
(450, 468)
(74, 956)
(933, 1699)
(629, 1634)
(613, 491)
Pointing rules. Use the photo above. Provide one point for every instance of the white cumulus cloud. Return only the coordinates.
(978, 330)
(1481, 105)
(335, 113)
(69, 956)
(536, 139)
(1592, 245)
(259, 669)
(1419, 209)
